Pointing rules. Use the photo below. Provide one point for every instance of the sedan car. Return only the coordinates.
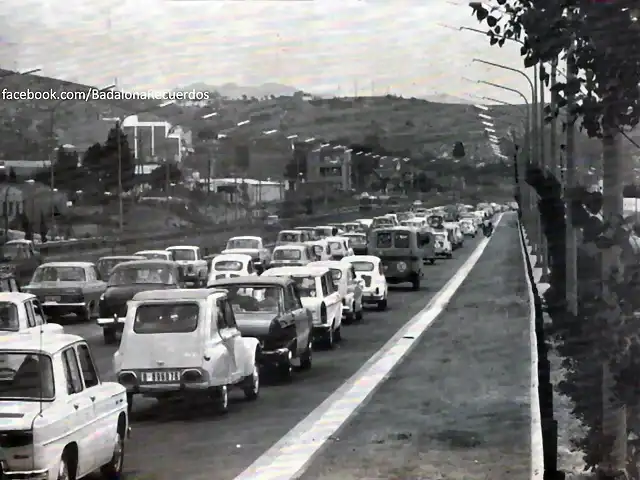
(67, 287)
(369, 269)
(106, 264)
(349, 287)
(357, 242)
(292, 255)
(155, 255)
(22, 312)
(270, 309)
(230, 265)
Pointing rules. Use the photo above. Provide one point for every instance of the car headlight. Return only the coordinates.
(401, 266)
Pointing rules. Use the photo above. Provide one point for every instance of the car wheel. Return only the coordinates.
(129, 403)
(252, 386)
(359, 314)
(84, 315)
(306, 358)
(329, 339)
(221, 399)
(337, 335)
(109, 335)
(349, 317)
(382, 304)
(285, 369)
(415, 283)
(113, 469)
(432, 261)
(63, 470)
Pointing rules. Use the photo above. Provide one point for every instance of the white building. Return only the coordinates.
(257, 191)
(154, 142)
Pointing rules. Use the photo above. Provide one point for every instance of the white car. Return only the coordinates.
(349, 287)
(292, 255)
(250, 245)
(59, 420)
(369, 269)
(185, 342)
(229, 265)
(339, 247)
(155, 255)
(286, 237)
(442, 247)
(194, 267)
(365, 222)
(321, 249)
(319, 294)
(324, 231)
(468, 227)
(22, 312)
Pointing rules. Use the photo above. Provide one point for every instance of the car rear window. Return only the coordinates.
(363, 266)
(287, 254)
(402, 240)
(228, 265)
(166, 318)
(384, 240)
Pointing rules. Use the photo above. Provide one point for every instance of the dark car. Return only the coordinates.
(357, 242)
(20, 258)
(125, 281)
(269, 309)
(106, 264)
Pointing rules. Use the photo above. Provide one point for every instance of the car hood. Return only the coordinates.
(244, 251)
(124, 293)
(15, 415)
(255, 324)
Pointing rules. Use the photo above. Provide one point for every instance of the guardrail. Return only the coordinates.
(211, 242)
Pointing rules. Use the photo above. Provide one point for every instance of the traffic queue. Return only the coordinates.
(193, 325)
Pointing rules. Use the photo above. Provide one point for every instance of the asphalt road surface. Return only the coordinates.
(458, 406)
(189, 441)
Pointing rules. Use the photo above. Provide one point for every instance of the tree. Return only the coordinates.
(67, 174)
(110, 161)
(458, 150)
(13, 178)
(92, 163)
(158, 177)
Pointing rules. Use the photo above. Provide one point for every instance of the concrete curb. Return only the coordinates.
(537, 447)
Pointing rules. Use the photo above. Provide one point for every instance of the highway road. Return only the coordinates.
(189, 441)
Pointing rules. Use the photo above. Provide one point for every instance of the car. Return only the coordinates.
(286, 237)
(349, 287)
(468, 227)
(339, 247)
(106, 264)
(357, 242)
(383, 221)
(351, 227)
(194, 268)
(125, 281)
(324, 231)
(321, 249)
(249, 245)
(185, 342)
(292, 255)
(8, 283)
(22, 312)
(404, 216)
(230, 265)
(369, 269)
(67, 287)
(309, 230)
(318, 294)
(270, 309)
(402, 252)
(155, 255)
(443, 247)
(365, 222)
(60, 420)
(20, 258)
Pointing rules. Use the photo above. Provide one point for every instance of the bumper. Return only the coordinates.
(371, 297)
(111, 322)
(26, 475)
(275, 357)
(58, 307)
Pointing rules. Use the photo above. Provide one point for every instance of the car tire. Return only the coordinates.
(110, 336)
(113, 469)
(252, 384)
(329, 339)
(285, 370)
(432, 261)
(84, 315)
(306, 360)
(221, 399)
(337, 335)
(63, 469)
(415, 282)
(382, 305)
(359, 314)
(129, 403)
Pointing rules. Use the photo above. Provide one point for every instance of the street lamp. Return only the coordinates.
(118, 122)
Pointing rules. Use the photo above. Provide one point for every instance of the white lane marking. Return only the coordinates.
(292, 454)
(537, 451)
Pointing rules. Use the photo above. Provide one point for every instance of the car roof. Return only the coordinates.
(45, 342)
(121, 257)
(280, 281)
(331, 264)
(146, 262)
(362, 258)
(395, 228)
(240, 257)
(278, 271)
(291, 245)
(19, 240)
(181, 247)
(151, 251)
(15, 297)
(334, 237)
(177, 294)
(246, 237)
(67, 264)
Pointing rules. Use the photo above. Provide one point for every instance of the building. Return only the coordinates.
(249, 190)
(330, 165)
(154, 141)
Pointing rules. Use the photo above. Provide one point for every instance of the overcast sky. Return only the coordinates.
(320, 46)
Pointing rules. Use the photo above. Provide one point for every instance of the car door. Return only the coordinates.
(293, 305)
(35, 316)
(94, 287)
(332, 299)
(216, 347)
(82, 422)
(106, 407)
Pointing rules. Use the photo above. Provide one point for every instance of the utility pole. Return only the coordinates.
(571, 183)
(543, 166)
(120, 206)
(553, 136)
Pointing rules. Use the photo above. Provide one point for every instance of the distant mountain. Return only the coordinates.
(233, 90)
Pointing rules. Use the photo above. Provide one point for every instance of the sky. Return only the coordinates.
(402, 47)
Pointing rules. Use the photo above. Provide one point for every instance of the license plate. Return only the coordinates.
(165, 376)
(51, 299)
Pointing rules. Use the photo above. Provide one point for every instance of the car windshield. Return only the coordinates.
(183, 254)
(380, 222)
(9, 317)
(254, 298)
(105, 265)
(363, 266)
(132, 274)
(404, 216)
(26, 377)
(166, 318)
(435, 221)
(306, 285)
(289, 236)
(335, 245)
(322, 231)
(287, 254)
(357, 240)
(228, 266)
(47, 273)
(155, 255)
(15, 251)
(243, 243)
